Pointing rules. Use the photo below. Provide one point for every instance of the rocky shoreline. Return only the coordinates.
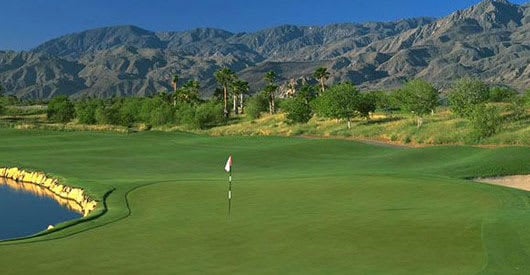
(76, 195)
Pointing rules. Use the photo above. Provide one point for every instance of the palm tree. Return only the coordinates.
(175, 82)
(189, 92)
(225, 77)
(321, 74)
(240, 89)
(270, 89)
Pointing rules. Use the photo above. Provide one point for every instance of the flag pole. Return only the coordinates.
(228, 168)
(229, 191)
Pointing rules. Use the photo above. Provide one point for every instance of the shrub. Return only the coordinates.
(154, 111)
(107, 114)
(517, 109)
(338, 102)
(85, 111)
(61, 109)
(161, 115)
(297, 109)
(366, 104)
(209, 114)
(418, 97)
(466, 94)
(526, 98)
(256, 105)
(129, 111)
(486, 120)
(502, 94)
(185, 114)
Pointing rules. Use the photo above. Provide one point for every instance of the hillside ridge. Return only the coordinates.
(488, 41)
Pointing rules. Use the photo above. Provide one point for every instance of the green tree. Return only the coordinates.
(108, 113)
(270, 90)
(166, 96)
(339, 102)
(85, 110)
(61, 109)
(502, 94)
(486, 120)
(156, 112)
(256, 105)
(366, 104)
(386, 102)
(297, 110)
(418, 97)
(466, 94)
(189, 93)
(130, 110)
(307, 92)
(208, 115)
(321, 74)
(225, 77)
(1, 90)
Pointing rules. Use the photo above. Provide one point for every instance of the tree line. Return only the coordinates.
(468, 98)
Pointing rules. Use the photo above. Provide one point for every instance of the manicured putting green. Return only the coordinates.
(299, 206)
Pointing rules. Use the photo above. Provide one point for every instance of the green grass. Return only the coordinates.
(300, 206)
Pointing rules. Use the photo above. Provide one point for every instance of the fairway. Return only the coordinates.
(299, 206)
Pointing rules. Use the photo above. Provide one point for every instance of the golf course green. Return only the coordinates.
(299, 206)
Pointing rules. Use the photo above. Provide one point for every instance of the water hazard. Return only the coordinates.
(27, 209)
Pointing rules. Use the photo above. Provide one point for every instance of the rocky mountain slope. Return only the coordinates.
(489, 41)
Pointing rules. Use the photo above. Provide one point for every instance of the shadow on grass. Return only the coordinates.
(381, 120)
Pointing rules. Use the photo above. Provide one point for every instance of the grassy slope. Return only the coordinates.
(442, 128)
(300, 206)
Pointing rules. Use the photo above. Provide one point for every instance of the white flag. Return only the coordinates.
(228, 166)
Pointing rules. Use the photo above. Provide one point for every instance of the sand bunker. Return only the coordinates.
(517, 182)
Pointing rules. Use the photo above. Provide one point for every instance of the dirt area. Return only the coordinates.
(517, 182)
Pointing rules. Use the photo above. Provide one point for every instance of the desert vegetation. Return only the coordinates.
(468, 112)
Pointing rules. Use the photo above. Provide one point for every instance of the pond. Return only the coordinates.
(27, 209)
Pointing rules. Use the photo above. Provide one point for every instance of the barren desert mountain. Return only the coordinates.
(489, 41)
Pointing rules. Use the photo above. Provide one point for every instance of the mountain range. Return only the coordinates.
(490, 41)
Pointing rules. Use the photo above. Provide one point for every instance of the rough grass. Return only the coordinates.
(300, 206)
(440, 129)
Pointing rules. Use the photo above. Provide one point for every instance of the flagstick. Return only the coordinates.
(229, 192)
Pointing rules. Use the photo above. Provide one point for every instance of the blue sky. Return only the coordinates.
(25, 24)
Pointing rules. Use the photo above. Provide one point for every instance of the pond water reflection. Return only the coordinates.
(26, 209)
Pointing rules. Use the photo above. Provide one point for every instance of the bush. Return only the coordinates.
(257, 105)
(526, 98)
(60, 109)
(185, 114)
(385, 101)
(502, 94)
(156, 111)
(466, 94)
(366, 104)
(107, 114)
(517, 109)
(339, 102)
(129, 111)
(297, 109)
(486, 120)
(209, 114)
(85, 111)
